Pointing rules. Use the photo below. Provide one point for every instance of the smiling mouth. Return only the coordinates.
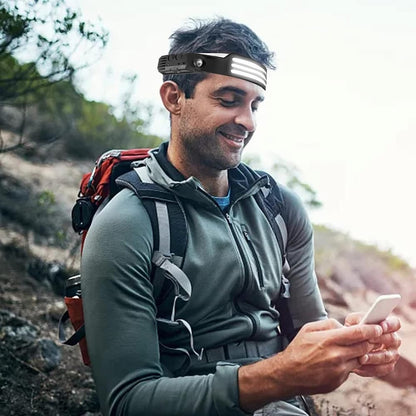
(236, 139)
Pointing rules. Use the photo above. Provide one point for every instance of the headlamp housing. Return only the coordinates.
(225, 64)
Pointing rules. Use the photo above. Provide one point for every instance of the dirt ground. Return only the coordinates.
(67, 390)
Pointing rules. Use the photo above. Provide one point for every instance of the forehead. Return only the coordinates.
(222, 84)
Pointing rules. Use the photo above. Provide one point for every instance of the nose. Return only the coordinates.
(247, 119)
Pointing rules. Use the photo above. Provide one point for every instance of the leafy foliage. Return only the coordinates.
(40, 43)
(288, 175)
(29, 211)
(47, 35)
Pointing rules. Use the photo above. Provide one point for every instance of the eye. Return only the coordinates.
(228, 103)
(255, 105)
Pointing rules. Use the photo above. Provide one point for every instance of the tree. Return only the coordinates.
(41, 44)
(291, 176)
(49, 37)
(288, 175)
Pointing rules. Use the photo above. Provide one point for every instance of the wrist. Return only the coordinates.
(263, 382)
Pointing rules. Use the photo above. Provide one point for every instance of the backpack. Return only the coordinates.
(117, 169)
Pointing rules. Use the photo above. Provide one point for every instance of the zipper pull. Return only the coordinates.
(247, 237)
(228, 218)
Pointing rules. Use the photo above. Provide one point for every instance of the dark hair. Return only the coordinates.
(221, 36)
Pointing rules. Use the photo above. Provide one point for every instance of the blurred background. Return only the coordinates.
(341, 106)
(338, 126)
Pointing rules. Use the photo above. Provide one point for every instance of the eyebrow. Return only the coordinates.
(239, 91)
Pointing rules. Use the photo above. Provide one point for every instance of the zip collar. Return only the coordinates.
(244, 181)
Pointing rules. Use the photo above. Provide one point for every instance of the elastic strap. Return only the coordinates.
(75, 338)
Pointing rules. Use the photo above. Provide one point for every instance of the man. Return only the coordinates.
(194, 364)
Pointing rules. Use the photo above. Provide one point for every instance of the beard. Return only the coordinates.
(205, 147)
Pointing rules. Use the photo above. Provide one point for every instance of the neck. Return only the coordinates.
(215, 187)
(215, 182)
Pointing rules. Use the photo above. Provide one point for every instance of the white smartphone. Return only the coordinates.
(381, 309)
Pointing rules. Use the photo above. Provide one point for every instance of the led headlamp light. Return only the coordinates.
(218, 63)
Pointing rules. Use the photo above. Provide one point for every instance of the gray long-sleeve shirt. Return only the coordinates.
(234, 283)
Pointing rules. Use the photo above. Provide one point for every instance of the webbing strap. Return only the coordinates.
(285, 292)
(243, 350)
(161, 213)
(191, 338)
(75, 337)
(282, 228)
(182, 284)
(187, 326)
(142, 173)
(278, 225)
(163, 207)
(162, 256)
(164, 227)
(277, 222)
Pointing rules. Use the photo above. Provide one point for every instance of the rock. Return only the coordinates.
(57, 277)
(83, 401)
(50, 355)
(19, 331)
(55, 310)
(332, 292)
(41, 355)
(51, 274)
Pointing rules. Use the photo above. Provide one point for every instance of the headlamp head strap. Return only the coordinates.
(230, 64)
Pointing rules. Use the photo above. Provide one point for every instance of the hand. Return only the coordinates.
(318, 360)
(382, 358)
(324, 353)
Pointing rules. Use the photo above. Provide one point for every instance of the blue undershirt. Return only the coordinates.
(223, 201)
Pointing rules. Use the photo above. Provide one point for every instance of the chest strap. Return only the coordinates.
(240, 352)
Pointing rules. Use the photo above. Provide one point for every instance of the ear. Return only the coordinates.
(172, 97)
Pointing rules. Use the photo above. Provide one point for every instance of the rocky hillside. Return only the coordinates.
(38, 250)
(351, 275)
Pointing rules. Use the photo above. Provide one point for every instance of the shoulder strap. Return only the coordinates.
(270, 201)
(165, 211)
(170, 232)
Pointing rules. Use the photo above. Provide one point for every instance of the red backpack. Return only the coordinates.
(113, 171)
(98, 187)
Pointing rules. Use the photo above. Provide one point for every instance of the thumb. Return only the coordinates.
(353, 318)
(322, 325)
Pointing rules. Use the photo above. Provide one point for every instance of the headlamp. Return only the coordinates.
(225, 64)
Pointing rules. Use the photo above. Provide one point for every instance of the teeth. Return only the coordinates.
(235, 139)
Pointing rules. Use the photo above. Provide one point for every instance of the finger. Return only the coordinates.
(374, 370)
(381, 357)
(353, 318)
(390, 324)
(377, 347)
(391, 340)
(356, 334)
(357, 351)
(378, 370)
(353, 365)
(322, 325)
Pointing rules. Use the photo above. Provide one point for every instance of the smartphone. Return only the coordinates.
(381, 309)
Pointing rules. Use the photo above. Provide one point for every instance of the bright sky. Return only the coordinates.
(341, 105)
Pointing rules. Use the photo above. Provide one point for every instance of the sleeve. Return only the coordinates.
(120, 321)
(305, 302)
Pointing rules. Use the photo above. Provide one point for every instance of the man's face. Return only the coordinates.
(218, 121)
